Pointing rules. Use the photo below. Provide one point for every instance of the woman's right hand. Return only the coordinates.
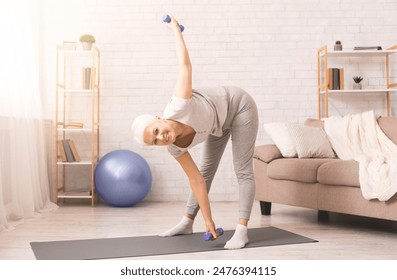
(210, 225)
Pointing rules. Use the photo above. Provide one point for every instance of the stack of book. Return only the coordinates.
(69, 45)
(336, 78)
(71, 124)
(68, 151)
(378, 48)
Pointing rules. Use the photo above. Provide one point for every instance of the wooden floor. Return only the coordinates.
(341, 237)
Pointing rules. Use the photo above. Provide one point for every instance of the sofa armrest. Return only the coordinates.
(314, 122)
(267, 153)
(388, 126)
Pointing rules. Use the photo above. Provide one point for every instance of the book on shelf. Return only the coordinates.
(74, 125)
(92, 79)
(377, 48)
(336, 79)
(69, 45)
(62, 153)
(71, 124)
(76, 155)
(342, 78)
(68, 151)
(88, 77)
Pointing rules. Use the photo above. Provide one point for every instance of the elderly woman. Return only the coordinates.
(209, 116)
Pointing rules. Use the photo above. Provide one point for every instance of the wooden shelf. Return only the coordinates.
(358, 91)
(323, 92)
(88, 130)
(82, 91)
(74, 163)
(69, 65)
(76, 194)
(78, 52)
(366, 53)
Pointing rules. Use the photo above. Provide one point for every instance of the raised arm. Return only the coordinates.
(183, 86)
(199, 189)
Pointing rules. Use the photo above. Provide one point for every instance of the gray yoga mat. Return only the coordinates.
(123, 247)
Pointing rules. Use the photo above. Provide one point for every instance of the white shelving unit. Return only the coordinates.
(323, 57)
(70, 86)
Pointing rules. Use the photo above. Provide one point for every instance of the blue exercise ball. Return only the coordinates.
(122, 178)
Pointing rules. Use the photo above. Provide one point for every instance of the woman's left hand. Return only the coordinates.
(173, 24)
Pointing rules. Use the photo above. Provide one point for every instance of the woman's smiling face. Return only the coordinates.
(159, 133)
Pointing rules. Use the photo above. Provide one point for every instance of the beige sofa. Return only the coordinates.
(323, 184)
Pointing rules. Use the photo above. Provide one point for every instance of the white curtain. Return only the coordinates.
(24, 186)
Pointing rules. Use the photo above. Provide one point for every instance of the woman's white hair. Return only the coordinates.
(139, 125)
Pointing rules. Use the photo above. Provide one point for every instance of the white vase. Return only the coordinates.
(338, 47)
(357, 86)
(86, 46)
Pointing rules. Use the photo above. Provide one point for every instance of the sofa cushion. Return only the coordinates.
(310, 142)
(267, 153)
(282, 139)
(339, 173)
(294, 169)
(388, 126)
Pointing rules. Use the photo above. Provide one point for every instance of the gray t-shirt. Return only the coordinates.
(205, 112)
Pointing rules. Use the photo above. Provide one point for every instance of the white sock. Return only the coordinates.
(239, 239)
(185, 226)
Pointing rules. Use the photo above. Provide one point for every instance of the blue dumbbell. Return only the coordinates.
(208, 235)
(167, 19)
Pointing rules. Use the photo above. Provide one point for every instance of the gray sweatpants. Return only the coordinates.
(242, 125)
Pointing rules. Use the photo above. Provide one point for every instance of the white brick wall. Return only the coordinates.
(267, 47)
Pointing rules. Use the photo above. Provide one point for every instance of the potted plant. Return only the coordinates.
(86, 41)
(338, 46)
(357, 80)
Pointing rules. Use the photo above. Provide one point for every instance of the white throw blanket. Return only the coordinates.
(358, 137)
